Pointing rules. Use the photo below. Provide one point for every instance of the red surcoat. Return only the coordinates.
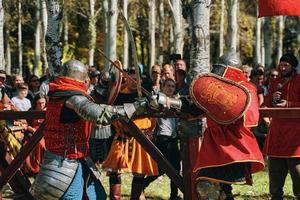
(70, 140)
(234, 143)
(283, 137)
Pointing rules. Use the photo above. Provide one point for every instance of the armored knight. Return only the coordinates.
(229, 152)
(67, 168)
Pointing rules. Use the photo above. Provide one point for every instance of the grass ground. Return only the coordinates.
(160, 190)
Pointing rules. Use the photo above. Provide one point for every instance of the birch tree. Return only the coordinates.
(2, 59)
(200, 37)
(44, 19)
(126, 42)
(161, 31)
(221, 34)
(111, 40)
(233, 24)
(176, 8)
(37, 37)
(280, 20)
(92, 31)
(152, 20)
(66, 24)
(268, 47)
(20, 47)
(258, 40)
(7, 48)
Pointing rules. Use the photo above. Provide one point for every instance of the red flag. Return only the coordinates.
(279, 7)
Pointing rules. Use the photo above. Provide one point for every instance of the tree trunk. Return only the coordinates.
(92, 32)
(221, 35)
(2, 59)
(126, 41)
(44, 18)
(177, 26)
(152, 15)
(297, 50)
(112, 31)
(258, 40)
(200, 45)
(280, 37)
(53, 48)
(268, 42)
(262, 44)
(161, 31)
(37, 38)
(7, 50)
(106, 36)
(20, 47)
(66, 24)
(233, 25)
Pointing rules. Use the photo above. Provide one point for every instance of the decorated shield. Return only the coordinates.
(115, 84)
(223, 100)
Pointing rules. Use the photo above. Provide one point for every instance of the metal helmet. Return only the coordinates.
(75, 69)
(231, 58)
(228, 59)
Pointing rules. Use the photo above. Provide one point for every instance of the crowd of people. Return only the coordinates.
(114, 150)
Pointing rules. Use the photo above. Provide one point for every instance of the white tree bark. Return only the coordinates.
(7, 50)
(200, 40)
(258, 40)
(66, 23)
(112, 31)
(44, 18)
(221, 35)
(161, 31)
(152, 20)
(263, 60)
(37, 38)
(280, 37)
(267, 32)
(126, 41)
(20, 47)
(176, 8)
(106, 38)
(2, 59)
(233, 24)
(92, 32)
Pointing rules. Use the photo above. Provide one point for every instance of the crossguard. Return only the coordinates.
(163, 100)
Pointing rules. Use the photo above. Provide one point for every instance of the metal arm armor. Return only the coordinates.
(98, 114)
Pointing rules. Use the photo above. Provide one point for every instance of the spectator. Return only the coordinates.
(167, 140)
(33, 161)
(181, 87)
(247, 71)
(20, 101)
(282, 144)
(155, 78)
(5, 100)
(17, 79)
(168, 72)
(34, 86)
(180, 64)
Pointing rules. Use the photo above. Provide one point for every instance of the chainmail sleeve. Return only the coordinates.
(96, 113)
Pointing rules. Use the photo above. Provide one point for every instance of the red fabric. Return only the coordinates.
(283, 138)
(55, 133)
(64, 83)
(252, 114)
(227, 144)
(222, 100)
(279, 7)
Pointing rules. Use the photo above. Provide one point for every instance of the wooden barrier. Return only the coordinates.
(149, 147)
